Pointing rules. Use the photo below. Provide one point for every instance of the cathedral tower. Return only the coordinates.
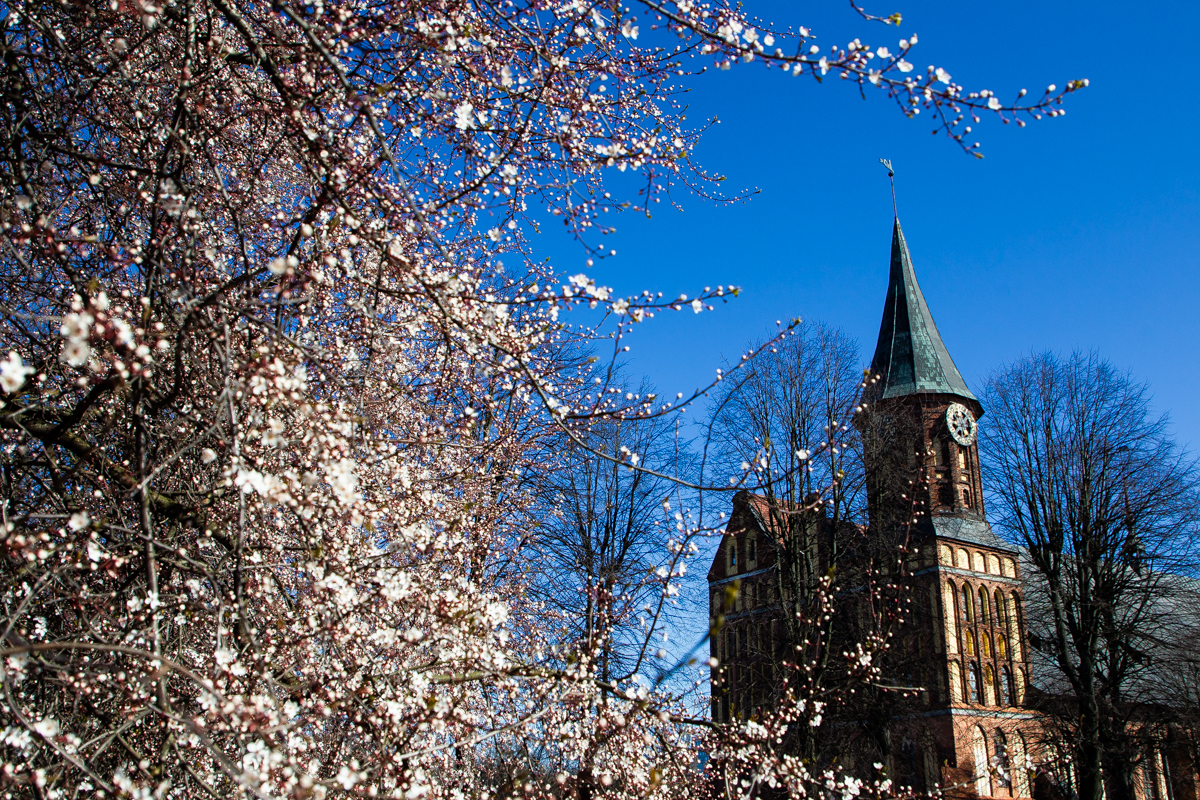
(967, 585)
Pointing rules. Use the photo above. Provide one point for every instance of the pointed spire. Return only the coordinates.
(910, 357)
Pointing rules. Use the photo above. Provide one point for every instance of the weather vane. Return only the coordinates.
(892, 181)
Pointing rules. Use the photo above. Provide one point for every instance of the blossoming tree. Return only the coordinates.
(270, 395)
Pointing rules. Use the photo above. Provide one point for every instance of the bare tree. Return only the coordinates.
(1085, 477)
(792, 424)
(603, 532)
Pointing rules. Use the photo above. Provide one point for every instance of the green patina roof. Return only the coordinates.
(910, 357)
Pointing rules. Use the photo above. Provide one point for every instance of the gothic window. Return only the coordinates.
(752, 555)
(964, 604)
(969, 644)
(979, 750)
(974, 684)
(989, 683)
(1001, 610)
(984, 606)
(1019, 766)
(1000, 759)
(733, 554)
(986, 641)
(1005, 687)
(966, 497)
(1001, 647)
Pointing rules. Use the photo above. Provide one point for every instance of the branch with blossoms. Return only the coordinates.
(273, 407)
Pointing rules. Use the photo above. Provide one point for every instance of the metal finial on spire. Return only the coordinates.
(892, 181)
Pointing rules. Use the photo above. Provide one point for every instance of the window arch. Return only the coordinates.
(969, 643)
(984, 606)
(1001, 610)
(964, 604)
(974, 684)
(1001, 646)
(986, 641)
(733, 564)
(1005, 687)
(979, 749)
(989, 684)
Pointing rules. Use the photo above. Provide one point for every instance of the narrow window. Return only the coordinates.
(979, 746)
(964, 606)
(1000, 759)
(1005, 687)
(984, 606)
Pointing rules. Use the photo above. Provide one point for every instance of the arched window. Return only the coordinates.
(969, 643)
(964, 604)
(1001, 646)
(989, 682)
(984, 605)
(1020, 767)
(752, 553)
(1000, 761)
(983, 786)
(974, 684)
(733, 553)
(1001, 610)
(986, 652)
(956, 687)
(1005, 687)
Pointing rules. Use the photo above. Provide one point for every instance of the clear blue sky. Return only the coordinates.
(1078, 232)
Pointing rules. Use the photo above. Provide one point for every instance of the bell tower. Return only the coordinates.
(913, 377)
(967, 628)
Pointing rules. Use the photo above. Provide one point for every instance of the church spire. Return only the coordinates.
(910, 358)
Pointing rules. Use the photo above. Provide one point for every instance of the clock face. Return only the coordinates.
(961, 424)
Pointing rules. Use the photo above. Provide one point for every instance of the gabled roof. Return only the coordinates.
(910, 357)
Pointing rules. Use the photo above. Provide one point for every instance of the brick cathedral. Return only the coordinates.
(970, 714)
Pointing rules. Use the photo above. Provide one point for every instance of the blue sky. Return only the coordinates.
(1078, 232)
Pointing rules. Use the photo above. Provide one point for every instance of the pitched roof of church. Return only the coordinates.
(910, 357)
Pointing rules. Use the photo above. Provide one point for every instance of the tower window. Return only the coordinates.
(750, 543)
(974, 687)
